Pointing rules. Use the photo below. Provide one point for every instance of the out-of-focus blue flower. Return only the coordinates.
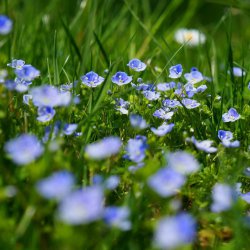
(135, 149)
(163, 129)
(151, 95)
(205, 145)
(238, 72)
(183, 162)
(112, 182)
(190, 90)
(163, 86)
(24, 149)
(166, 182)
(82, 206)
(144, 86)
(21, 85)
(27, 73)
(175, 231)
(26, 99)
(5, 25)
(16, 64)
(137, 65)
(122, 106)
(171, 103)
(3, 75)
(56, 186)
(10, 84)
(67, 86)
(69, 129)
(117, 217)
(91, 79)
(121, 78)
(226, 138)
(246, 197)
(231, 116)
(45, 114)
(104, 148)
(175, 71)
(190, 103)
(163, 113)
(193, 77)
(137, 121)
(223, 197)
(201, 88)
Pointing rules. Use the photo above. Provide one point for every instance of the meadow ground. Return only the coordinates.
(124, 124)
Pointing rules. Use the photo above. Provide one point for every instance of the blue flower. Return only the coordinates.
(5, 25)
(16, 64)
(183, 162)
(137, 65)
(151, 95)
(122, 106)
(194, 76)
(69, 129)
(112, 182)
(163, 113)
(104, 148)
(135, 149)
(163, 86)
(91, 79)
(238, 72)
(82, 206)
(175, 231)
(144, 86)
(26, 99)
(246, 197)
(117, 217)
(175, 71)
(56, 186)
(231, 116)
(171, 103)
(201, 88)
(45, 114)
(163, 129)
(166, 182)
(21, 85)
(24, 149)
(190, 90)
(226, 138)
(121, 78)
(27, 73)
(205, 145)
(190, 103)
(137, 121)
(223, 197)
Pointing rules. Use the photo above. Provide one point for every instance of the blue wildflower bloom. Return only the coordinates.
(27, 99)
(223, 197)
(27, 73)
(193, 77)
(56, 186)
(166, 182)
(24, 149)
(117, 217)
(137, 121)
(16, 64)
(246, 197)
(91, 79)
(238, 72)
(205, 145)
(163, 113)
(137, 65)
(151, 95)
(183, 162)
(104, 148)
(163, 129)
(21, 85)
(112, 182)
(67, 86)
(144, 86)
(45, 114)
(226, 139)
(201, 88)
(121, 78)
(175, 231)
(190, 90)
(163, 86)
(231, 116)
(190, 103)
(171, 103)
(10, 84)
(175, 71)
(122, 106)
(5, 25)
(82, 206)
(3, 75)
(135, 149)
(69, 129)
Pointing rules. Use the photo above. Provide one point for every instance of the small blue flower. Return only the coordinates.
(190, 90)
(171, 103)
(163, 86)
(27, 99)
(226, 138)
(56, 186)
(175, 71)
(231, 116)
(122, 106)
(91, 79)
(21, 85)
(121, 78)
(144, 86)
(223, 197)
(201, 88)
(45, 114)
(137, 65)
(190, 103)
(163, 129)
(24, 149)
(135, 149)
(137, 121)
(112, 182)
(5, 25)
(246, 197)
(27, 73)
(166, 182)
(104, 148)
(16, 64)
(82, 206)
(163, 113)
(175, 231)
(205, 145)
(194, 77)
(69, 129)
(238, 72)
(151, 95)
(118, 217)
